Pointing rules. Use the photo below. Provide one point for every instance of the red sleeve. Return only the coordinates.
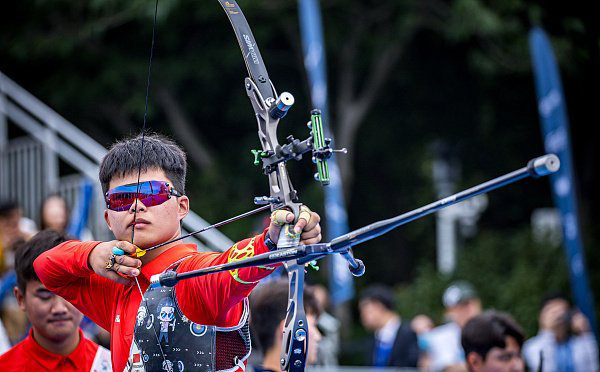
(64, 270)
(217, 298)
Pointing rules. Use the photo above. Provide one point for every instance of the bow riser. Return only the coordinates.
(269, 108)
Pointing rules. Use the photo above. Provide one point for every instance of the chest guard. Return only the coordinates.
(161, 328)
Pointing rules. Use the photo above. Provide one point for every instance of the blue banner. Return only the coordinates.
(555, 127)
(341, 284)
(81, 210)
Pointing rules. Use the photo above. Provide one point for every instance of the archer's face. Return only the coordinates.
(153, 224)
(51, 316)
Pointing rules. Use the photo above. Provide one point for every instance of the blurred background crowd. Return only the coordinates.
(564, 340)
(429, 97)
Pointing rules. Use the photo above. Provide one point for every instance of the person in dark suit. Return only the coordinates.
(394, 343)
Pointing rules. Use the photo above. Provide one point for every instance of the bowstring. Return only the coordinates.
(148, 80)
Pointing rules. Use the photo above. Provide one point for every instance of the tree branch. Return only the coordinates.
(199, 152)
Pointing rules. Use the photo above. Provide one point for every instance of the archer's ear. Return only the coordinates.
(474, 362)
(184, 206)
(278, 333)
(107, 220)
(20, 297)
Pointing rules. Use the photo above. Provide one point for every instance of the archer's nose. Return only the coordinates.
(137, 204)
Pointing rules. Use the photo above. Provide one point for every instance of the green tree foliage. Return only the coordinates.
(510, 271)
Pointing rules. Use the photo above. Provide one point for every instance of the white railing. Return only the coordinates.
(29, 166)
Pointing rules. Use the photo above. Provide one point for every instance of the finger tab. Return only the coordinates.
(305, 213)
(304, 216)
(280, 217)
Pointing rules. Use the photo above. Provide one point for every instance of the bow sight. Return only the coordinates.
(294, 149)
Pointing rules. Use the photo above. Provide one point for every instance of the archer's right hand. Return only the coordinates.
(119, 268)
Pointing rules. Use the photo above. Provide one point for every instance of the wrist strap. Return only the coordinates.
(269, 243)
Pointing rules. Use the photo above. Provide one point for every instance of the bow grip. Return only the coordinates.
(287, 237)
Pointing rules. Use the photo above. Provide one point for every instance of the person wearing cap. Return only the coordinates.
(395, 343)
(462, 304)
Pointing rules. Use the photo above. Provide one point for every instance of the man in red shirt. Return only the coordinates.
(55, 341)
(202, 323)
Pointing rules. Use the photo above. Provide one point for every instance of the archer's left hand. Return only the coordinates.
(308, 225)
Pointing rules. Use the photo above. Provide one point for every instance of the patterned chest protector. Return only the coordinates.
(186, 346)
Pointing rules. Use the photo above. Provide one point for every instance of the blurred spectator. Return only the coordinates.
(492, 342)
(54, 213)
(13, 227)
(55, 341)
(15, 321)
(395, 343)
(4, 341)
(329, 327)
(14, 230)
(268, 306)
(564, 341)
(461, 303)
(421, 324)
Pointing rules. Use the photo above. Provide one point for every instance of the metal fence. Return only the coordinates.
(30, 164)
(23, 174)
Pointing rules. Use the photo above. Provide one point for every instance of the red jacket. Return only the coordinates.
(211, 300)
(29, 356)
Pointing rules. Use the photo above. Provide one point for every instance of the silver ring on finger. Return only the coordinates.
(111, 262)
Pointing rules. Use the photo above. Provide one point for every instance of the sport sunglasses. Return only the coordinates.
(150, 193)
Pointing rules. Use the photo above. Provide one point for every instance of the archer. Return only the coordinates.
(146, 202)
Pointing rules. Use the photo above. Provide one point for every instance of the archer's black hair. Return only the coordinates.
(268, 306)
(489, 329)
(381, 294)
(27, 252)
(159, 152)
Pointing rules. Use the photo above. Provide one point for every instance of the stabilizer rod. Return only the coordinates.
(537, 167)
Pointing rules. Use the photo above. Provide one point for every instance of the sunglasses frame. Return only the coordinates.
(171, 192)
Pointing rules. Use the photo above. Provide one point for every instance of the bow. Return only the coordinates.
(269, 108)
